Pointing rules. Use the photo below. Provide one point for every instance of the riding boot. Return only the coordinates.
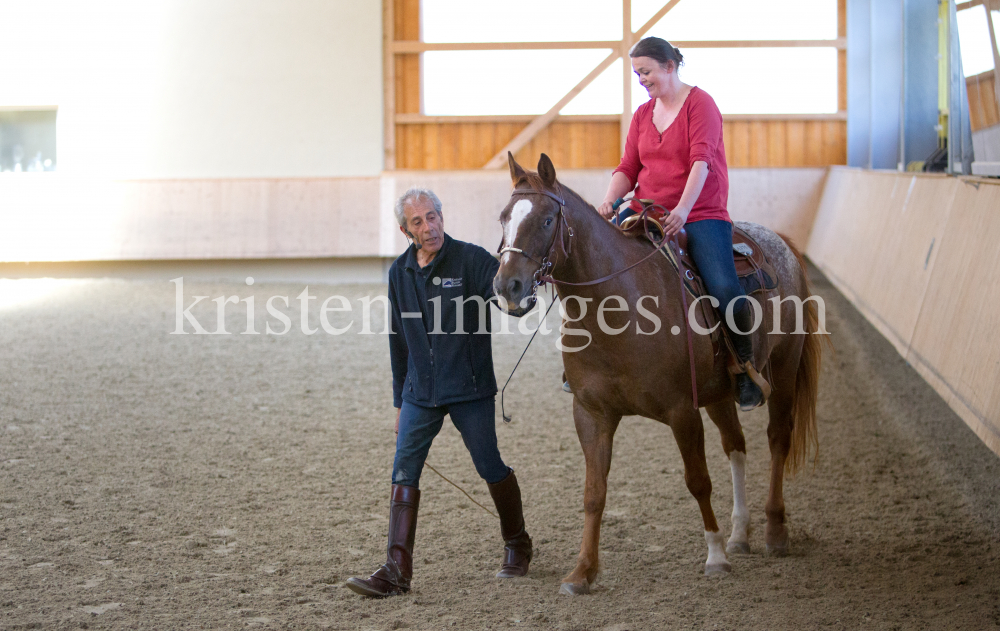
(749, 394)
(517, 544)
(394, 576)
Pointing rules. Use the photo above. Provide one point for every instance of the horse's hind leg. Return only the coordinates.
(723, 414)
(596, 432)
(690, 436)
(779, 437)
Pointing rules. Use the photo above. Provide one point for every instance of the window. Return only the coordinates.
(798, 80)
(27, 140)
(974, 40)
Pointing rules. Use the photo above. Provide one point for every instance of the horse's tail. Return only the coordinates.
(804, 434)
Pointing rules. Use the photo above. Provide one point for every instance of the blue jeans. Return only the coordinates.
(710, 242)
(418, 426)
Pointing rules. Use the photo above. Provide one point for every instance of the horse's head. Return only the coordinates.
(532, 222)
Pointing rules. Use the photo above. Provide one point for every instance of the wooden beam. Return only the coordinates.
(842, 55)
(420, 119)
(410, 46)
(837, 116)
(653, 20)
(540, 122)
(388, 87)
(626, 44)
(996, 54)
(962, 6)
(840, 43)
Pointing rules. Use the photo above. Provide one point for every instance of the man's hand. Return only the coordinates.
(398, 410)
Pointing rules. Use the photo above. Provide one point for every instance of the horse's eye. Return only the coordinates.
(548, 222)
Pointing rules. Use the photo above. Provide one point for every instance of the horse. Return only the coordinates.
(551, 233)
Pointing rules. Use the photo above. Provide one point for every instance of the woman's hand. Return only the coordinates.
(674, 221)
(398, 410)
(605, 210)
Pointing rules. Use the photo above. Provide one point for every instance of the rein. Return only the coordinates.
(543, 274)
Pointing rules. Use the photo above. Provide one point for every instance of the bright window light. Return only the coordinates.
(761, 80)
(602, 96)
(526, 82)
(715, 20)
(974, 41)
(500, 82)
(521, 20)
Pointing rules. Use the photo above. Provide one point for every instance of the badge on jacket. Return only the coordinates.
(450, 282)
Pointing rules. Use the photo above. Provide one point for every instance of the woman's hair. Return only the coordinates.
(658, 49)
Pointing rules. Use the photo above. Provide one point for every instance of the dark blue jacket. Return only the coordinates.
(434, 361)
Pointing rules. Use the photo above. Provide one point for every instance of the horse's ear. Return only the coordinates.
(516, 172)
(546, 171)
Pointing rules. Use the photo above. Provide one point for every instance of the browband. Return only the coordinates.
(532, 191)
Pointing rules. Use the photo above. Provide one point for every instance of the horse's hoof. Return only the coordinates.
(718, 569)
(738, 547)
(777, 550)
(575, 589)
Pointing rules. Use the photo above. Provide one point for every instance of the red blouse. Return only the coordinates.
(661, 163)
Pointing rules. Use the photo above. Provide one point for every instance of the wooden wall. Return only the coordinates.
(586, 144)
(582, 142)
(572, 144)
(916, 255)
(983, 110)
(785, 143)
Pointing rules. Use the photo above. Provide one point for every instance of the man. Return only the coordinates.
(442, 363)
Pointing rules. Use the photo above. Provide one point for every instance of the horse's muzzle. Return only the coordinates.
(517, 295)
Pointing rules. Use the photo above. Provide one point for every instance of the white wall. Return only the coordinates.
(55, 217)
(201, 88)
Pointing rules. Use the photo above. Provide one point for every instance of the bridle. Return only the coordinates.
(543, 274)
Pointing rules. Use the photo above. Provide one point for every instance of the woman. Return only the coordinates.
(674, 155)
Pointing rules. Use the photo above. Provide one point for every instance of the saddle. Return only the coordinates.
(756, 275)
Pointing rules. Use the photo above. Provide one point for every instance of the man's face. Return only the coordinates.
(425, 225)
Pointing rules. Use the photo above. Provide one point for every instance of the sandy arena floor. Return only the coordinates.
(156, 481)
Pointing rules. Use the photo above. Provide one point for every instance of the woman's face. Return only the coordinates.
(654, 77)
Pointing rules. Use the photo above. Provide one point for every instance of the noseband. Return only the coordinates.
(543, 274)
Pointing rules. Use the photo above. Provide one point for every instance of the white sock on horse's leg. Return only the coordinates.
(739, 541)
(717, 563)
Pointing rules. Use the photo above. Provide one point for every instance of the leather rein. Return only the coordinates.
(543, 274)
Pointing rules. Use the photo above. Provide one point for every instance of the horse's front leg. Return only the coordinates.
(690, 436)
(596, 430)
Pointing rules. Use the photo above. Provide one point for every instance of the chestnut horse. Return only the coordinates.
(635, 373)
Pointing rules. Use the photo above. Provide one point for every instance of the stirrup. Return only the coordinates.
(756, 377)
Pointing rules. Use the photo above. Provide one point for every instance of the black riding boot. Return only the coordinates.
(517, 550)
(394, 576)
(748, 394)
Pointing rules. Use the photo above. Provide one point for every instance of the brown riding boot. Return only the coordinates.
(517, 544)
(394, 576)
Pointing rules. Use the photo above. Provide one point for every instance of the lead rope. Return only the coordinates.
(429, 466)
(503, 411)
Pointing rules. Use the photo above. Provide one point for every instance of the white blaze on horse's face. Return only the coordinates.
(522, 208)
